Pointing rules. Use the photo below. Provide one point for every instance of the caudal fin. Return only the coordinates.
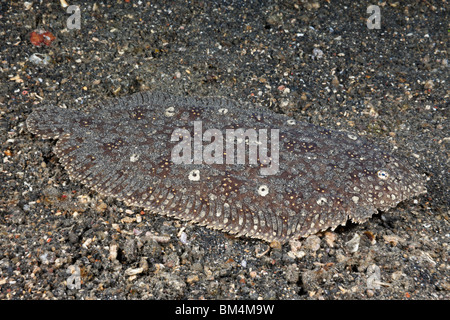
(50, 122)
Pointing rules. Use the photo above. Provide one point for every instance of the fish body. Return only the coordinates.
(169, 154)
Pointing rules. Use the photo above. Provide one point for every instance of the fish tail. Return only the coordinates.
(51, 122)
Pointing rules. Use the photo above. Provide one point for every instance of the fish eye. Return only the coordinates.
(263, 190)
(383, 175)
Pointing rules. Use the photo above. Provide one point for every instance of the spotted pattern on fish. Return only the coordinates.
(122, 148)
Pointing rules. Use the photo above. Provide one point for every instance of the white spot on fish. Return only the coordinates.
(170, 112)
(383, 175)
(263, 190)
(134, 158)
(291, 122)
(321, 201)
(194, 175)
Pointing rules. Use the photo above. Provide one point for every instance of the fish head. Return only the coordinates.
(395, 181)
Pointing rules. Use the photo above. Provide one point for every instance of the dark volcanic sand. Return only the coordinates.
(390, 85)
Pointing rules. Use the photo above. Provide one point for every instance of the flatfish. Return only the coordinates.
(226, 165)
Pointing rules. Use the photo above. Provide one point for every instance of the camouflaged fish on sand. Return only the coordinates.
(122, 148)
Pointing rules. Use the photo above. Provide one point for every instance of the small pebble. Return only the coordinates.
(312, 243)
(353, 245)
(317, 54)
